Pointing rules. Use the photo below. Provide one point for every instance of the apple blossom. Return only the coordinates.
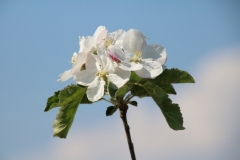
(136, 55)
(115, 38)
(87, 45)
(103, 66)
(99, 71)
(77, 61)
(90, 44)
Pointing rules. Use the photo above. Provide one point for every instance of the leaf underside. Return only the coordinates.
(170, 110)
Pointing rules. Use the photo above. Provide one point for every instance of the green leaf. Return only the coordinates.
(71, 93)
(173, 75)
(110, 110)
(134, 77)
(69, 99)
(139, 91)
(170, 110)
(85, 100)
(64, 119)
(111, 90)
(134, 103)
(52, 101)
(168, 88)
(121, 91)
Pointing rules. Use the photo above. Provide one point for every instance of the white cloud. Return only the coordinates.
(211, 116)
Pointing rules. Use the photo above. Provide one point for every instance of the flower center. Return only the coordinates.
(108, 42)
(102, 74)
(136, 56)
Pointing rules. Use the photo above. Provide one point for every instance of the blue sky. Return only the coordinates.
(38, 39)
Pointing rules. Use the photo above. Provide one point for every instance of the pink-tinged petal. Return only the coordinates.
(132, 66)
(116, 52)
(133, 41)
(107, 63)
(114, 58)
(65, 76)
(96, 90)
(119, 77)
(85, 77)
(151, 69)
(156, 52)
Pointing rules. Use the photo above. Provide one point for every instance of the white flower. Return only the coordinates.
(91, 44)
(77, 62)
(136, 55)
(100, 70)
(115, 38)
(87, 46)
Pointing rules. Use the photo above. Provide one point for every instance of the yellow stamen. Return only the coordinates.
(102, 74)
(136, 56)
(108, 42)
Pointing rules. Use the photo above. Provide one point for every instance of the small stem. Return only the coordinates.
(123, 114)
(129, 98)
(107, 100)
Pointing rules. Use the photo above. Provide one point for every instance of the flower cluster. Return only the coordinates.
(110, 57)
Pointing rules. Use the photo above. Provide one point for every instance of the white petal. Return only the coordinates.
(85, 77)
(100, 35)
(133, 41)
(91, 62)
(81, 59)
(89, 45)
(151, 69)
(65, 76)
(81, 43)
(96, 90)
(132, 66)
(119, 77)
(107, 62)
(117, 52)
(116, 37)
(98, 31)
(156, 52)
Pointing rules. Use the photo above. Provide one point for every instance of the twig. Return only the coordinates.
(123, 114)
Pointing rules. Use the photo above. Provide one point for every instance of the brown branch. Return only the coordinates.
(123, 114)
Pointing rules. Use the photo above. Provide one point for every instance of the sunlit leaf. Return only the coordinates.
(134, 78)
(173, 75)
(68, 100)
(121, 91)
(52, 101)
